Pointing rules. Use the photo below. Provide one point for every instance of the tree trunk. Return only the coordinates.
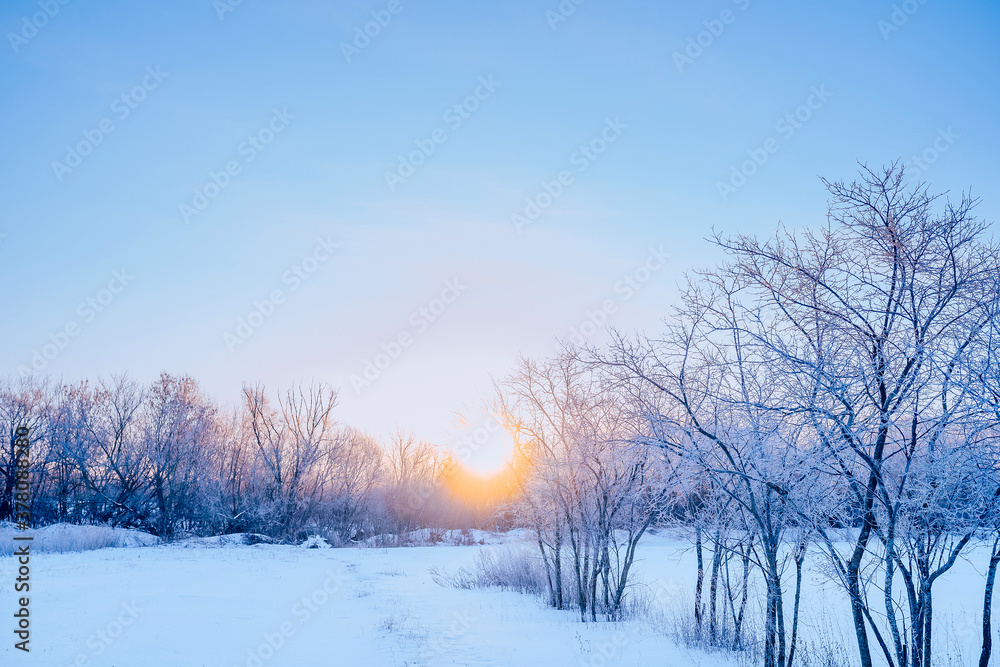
(857, 612)
(557, 558)
(853, 569)
(744, 597)
(700, 582)
(595, 568)
(800, 556)
(580, 569)
(629, 559)
(713, 589)
(770, 625)
(928, 615)
(548, 567)
(779, 613)
(890, 607)
(991, 575)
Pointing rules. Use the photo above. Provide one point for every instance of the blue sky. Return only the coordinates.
(328, 128)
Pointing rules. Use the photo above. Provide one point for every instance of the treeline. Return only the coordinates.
(833, 391)
(164, 458)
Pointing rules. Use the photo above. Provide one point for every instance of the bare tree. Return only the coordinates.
(585, 478)
(356, 464)
(24, 403)
(291, 441)
(413, 470)
(178, 428)
(101, 428)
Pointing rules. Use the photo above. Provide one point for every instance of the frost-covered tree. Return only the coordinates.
(851, 355)
(590, 491)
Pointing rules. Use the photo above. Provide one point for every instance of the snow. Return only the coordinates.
(316, 542)
(223, 603)
(428, 537)
(62, 537)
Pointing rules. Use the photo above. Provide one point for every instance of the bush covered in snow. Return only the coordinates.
(511, 568)
(316, 542)
(63, 537)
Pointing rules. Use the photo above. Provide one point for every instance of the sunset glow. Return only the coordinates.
(479, 490)
(527, 333)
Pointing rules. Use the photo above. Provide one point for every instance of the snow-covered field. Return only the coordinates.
(223, 605)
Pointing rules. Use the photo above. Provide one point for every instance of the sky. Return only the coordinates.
(399, 197)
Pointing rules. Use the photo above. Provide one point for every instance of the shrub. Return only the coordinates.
(62, 537)
(507, 568)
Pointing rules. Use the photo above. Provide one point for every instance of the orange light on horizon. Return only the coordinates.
(476, 489)
(485, 469)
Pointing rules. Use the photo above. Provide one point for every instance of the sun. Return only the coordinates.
(481, 469)
(480, 442)
(478, 490)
